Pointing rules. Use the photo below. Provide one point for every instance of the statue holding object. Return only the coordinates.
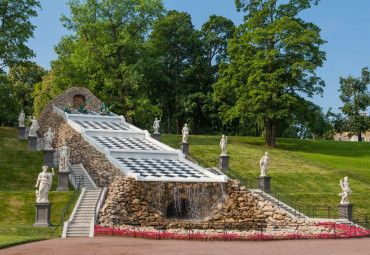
(44, 181)
(344, 184)
(48, 136)
(34, 127)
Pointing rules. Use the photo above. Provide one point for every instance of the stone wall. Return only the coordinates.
(147, 204)
(46, 119)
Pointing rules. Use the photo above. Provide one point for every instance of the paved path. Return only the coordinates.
(125, 246)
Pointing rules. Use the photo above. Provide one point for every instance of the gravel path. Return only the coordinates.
(125, 246)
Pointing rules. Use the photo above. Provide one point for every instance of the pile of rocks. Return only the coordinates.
(146, 204)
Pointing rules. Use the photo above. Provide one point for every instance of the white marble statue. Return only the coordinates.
(156, 125)
(223, 143)
(64, 154)
(48, 136)
(44, 181)
(264, 164)
(21, 119)
(344, 184)
(185, 133)
(34, 127)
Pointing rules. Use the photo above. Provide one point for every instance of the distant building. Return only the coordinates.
(344, 137)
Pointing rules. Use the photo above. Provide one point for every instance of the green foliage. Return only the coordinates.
(22, 79)
(309, 169)
(355, 96)
(9, 108)
(272, 60)
(15, 30)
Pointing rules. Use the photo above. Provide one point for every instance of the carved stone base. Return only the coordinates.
(345, 211)
(264, 183)
(42, 215)
(223, 163)
(63, 178)
(157, 137)
(184, 148)
(32, 143)
(22, 133)
(49, 157)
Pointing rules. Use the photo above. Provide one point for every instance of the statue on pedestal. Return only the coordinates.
(223, 143)
(264, 164)
(64, 154)
(21, 119)
(34, 127)
(344, 184)
(45, 180)
(156, 125)
(185, 133)
(49, 139)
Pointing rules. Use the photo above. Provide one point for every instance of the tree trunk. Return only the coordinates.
(169, 117)
(123, 97)
(273, 135)
(178, 126)
(196, 122)
(359, 136)
(271, 127)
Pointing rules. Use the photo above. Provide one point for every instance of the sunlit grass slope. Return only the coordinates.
(309, 169)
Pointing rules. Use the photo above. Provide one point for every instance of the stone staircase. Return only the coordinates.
(79, 170)
(81, 221)
(80, 224)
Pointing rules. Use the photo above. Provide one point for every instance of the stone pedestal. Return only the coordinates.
(345, 211)
(32, 143)
(42, 215)
(223, 163)
(184, 148)
(157, 137)
(63, 178)
(22, 133)
(49, 157)
(264, 183)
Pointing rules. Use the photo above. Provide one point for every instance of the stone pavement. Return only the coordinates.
(137, 246)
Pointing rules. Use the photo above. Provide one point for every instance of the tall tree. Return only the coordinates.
(106, 48)
(173, 40)
(272, 60)
(356, 98)
(23, 78)
(216, 33)
(15, 30)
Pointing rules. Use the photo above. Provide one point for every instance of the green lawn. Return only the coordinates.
(18, 173)
(309, 169)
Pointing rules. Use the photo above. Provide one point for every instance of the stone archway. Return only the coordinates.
(78, 100)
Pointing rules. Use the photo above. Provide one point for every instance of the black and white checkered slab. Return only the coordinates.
(126, 143)
(91, 113)
(161, 168)
(101, 125)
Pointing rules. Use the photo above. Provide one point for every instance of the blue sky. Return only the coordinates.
(345, 26)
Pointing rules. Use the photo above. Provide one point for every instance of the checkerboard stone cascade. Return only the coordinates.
(134, 152)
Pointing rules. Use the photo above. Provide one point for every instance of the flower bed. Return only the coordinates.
(333, 231)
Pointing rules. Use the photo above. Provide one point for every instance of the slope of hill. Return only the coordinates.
(18, 172)
(308, 169)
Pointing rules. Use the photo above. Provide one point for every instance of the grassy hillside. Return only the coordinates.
(309, 169)
(18, 172)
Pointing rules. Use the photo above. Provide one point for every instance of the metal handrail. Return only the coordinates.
(96, 214)
(204, 164)
(74, 198)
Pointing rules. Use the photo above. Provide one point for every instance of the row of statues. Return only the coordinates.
(34, 124)
(45, 179)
